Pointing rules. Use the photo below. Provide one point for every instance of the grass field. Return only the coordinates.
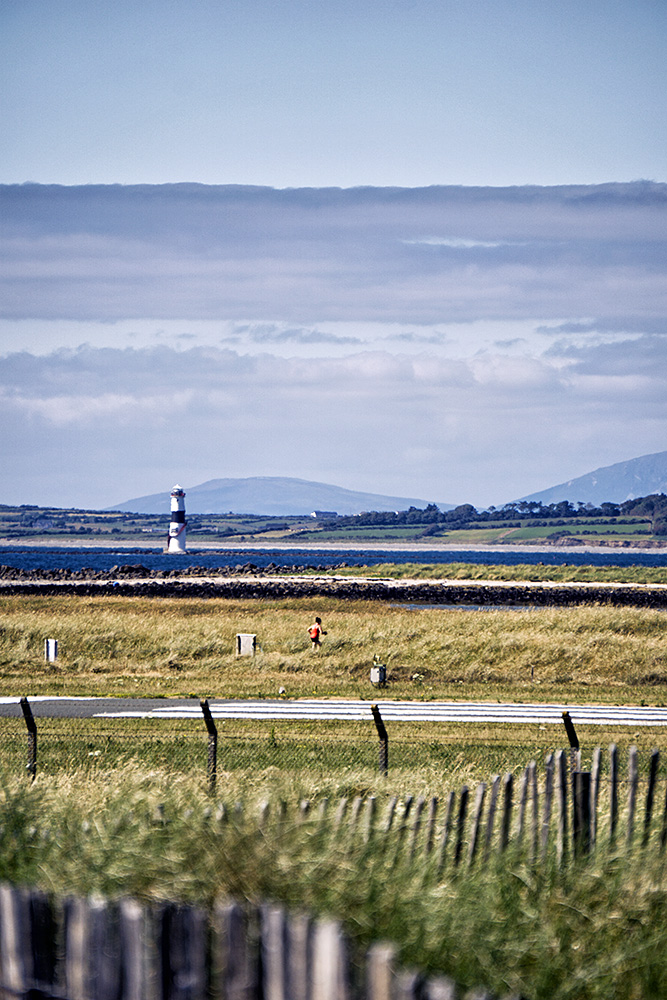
(185, 647)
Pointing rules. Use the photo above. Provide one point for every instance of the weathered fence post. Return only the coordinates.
(633, 779)
(478, 809)
(653, 774)
(416, 825)
(384, 740)
(235, 958)
(212, 745)
(532, 774)
(613, 792)
(31, 766)
(380, 971)
(595, 794)
(15, 941)
(460, 826)
(507, 811)
(389, 815)
(274, 953)
(183, 939)
(430, 824)
(133, 942)
(548, 796)
(369, 821)
(491, 818)
(446, 827)
(330, 966)
(581, 826)
(561, 788)
(521, 814)
(400, 830)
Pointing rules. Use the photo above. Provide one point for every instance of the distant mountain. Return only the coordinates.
(270, 495)
(614, 483)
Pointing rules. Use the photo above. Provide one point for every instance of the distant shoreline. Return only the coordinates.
(371, 546)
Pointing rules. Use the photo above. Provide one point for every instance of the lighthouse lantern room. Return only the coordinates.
(176, 540)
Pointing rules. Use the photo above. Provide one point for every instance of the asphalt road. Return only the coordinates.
(313, 709)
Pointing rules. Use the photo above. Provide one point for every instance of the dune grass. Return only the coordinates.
(157, 647)
(588, 930)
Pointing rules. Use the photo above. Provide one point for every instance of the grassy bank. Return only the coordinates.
(185, 647)
(533, 572)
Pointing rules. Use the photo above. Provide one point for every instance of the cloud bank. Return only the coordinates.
(465, 344)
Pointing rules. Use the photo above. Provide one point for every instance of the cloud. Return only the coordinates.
(462, 244)
(104, 424)
(306, 256)
(274, 334)
(188, 332)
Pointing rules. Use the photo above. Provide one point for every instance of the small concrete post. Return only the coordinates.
(50, 650)
(246, 644)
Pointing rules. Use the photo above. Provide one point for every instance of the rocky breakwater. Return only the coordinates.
(251, 582)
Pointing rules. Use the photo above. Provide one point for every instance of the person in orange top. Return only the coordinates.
(316, 632)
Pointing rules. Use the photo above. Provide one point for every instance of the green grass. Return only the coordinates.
(424, 758)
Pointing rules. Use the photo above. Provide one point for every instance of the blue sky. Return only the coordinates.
(435, 267)
(292, 93)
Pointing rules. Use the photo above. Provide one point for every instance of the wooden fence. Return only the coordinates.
(93, 949)
(572, 813)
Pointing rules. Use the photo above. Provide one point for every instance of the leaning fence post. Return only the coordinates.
(384, 740)
(572, 739)
(32, 738)
(653, 774)
(212, 745)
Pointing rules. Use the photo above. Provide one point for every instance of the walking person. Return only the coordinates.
(316, 632)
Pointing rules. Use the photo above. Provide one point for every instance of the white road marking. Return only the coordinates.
(410, 711)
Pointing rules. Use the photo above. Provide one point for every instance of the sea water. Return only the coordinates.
(47, 558)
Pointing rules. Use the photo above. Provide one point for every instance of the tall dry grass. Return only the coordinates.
(172, 646)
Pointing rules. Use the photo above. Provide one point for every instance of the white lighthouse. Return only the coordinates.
(176, 540)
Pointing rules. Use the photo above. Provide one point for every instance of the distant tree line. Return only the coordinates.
(465, 515)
